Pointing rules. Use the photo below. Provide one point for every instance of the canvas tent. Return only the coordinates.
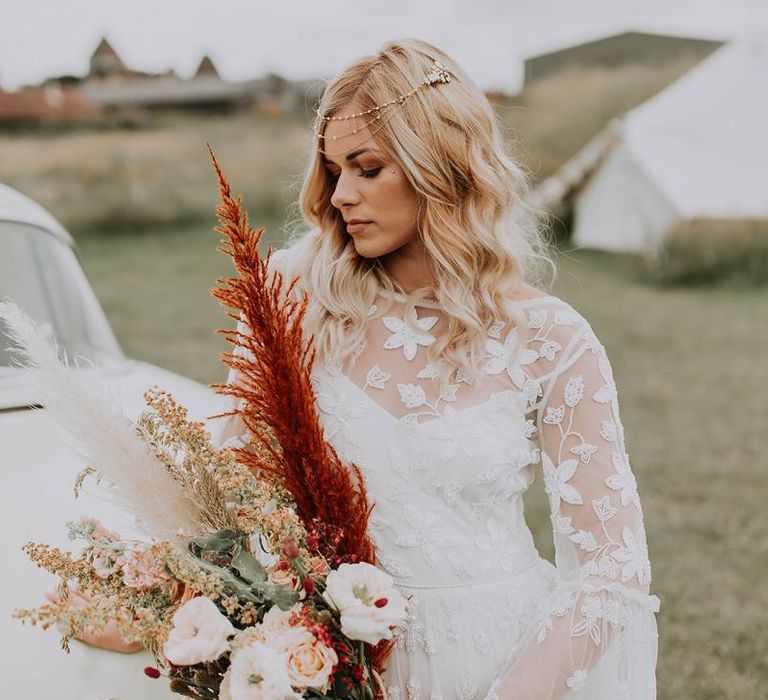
(696, 150)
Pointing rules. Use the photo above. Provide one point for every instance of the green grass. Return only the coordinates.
(155, 289)
(691, 377)
(160, 176)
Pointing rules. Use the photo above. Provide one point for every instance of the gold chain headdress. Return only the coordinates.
(438, 74)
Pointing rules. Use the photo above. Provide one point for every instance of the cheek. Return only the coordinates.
(398, 202)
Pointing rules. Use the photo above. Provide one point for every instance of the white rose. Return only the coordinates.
(257, 673)
(276, 620)
(309, 662)
(246, 637)
(200, 633)
(368, 602)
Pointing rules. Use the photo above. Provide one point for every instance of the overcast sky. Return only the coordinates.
(316, 38)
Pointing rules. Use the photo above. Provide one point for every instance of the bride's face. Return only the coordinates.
(370, 187)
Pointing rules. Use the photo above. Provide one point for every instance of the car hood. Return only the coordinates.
(38, 471)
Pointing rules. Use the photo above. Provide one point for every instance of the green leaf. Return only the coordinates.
(248, 568)
(222, 542)
(283, 597)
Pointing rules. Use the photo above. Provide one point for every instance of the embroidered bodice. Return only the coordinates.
(447, 462)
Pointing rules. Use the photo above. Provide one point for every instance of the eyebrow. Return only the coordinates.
(351, 156)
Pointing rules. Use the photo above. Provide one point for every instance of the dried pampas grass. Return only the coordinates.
(130, 475)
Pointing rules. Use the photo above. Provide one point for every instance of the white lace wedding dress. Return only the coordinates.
(447, 470)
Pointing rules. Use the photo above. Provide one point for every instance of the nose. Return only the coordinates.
(345, 192)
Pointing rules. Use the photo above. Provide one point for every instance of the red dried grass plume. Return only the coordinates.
(274, 384)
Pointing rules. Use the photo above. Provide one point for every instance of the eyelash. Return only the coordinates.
(373, 172)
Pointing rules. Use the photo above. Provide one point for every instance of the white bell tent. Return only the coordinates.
(696, 150)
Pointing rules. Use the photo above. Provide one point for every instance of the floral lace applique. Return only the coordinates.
(405, 336)
(504, 357)
(377, 378)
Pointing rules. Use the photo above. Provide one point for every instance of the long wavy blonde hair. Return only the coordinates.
(480, 237)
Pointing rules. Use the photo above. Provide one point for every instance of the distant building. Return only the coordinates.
(115, 87)
(206, 68)
(636, 48)
(104, 62)
(44, 104)
(111, 87)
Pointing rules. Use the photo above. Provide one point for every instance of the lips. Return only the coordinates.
(356, 225)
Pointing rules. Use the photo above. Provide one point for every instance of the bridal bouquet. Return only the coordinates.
(256, 578)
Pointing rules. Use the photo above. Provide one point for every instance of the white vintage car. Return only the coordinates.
(40, 271)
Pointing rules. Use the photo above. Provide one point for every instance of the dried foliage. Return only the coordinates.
(273, 363)
(184, 448)
(140, 614)
(275, 389)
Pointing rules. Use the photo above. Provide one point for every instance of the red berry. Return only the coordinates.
(309, 586)
(283, 565)
(290, 549)
(152, 672)
(380, 602)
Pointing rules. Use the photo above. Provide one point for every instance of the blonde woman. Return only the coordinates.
(449, 377)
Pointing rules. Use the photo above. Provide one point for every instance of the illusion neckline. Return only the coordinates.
(404, 298)
(489, 403)
(434, 304)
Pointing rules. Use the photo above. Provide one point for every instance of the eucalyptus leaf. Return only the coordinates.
(222, 541)
(281, 596)
(248, 567)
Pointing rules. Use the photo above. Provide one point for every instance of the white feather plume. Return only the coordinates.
(134, 479)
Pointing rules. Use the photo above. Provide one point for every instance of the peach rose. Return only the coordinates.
(248, 637)
(309, 662)
(284, 577)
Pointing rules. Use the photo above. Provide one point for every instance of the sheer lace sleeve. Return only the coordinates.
(596, 635)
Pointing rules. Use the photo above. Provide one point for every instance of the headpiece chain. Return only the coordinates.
(438, 74)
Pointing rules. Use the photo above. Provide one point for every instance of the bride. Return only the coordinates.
(452, 380)
(448, 378)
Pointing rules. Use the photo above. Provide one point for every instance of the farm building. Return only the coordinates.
(51, 103)
(113, 86)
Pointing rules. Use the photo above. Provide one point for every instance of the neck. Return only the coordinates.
(408, 267)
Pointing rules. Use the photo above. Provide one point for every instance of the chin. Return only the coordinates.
(369, 249)
(376, 248)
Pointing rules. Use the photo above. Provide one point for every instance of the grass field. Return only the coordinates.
(691, 371)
